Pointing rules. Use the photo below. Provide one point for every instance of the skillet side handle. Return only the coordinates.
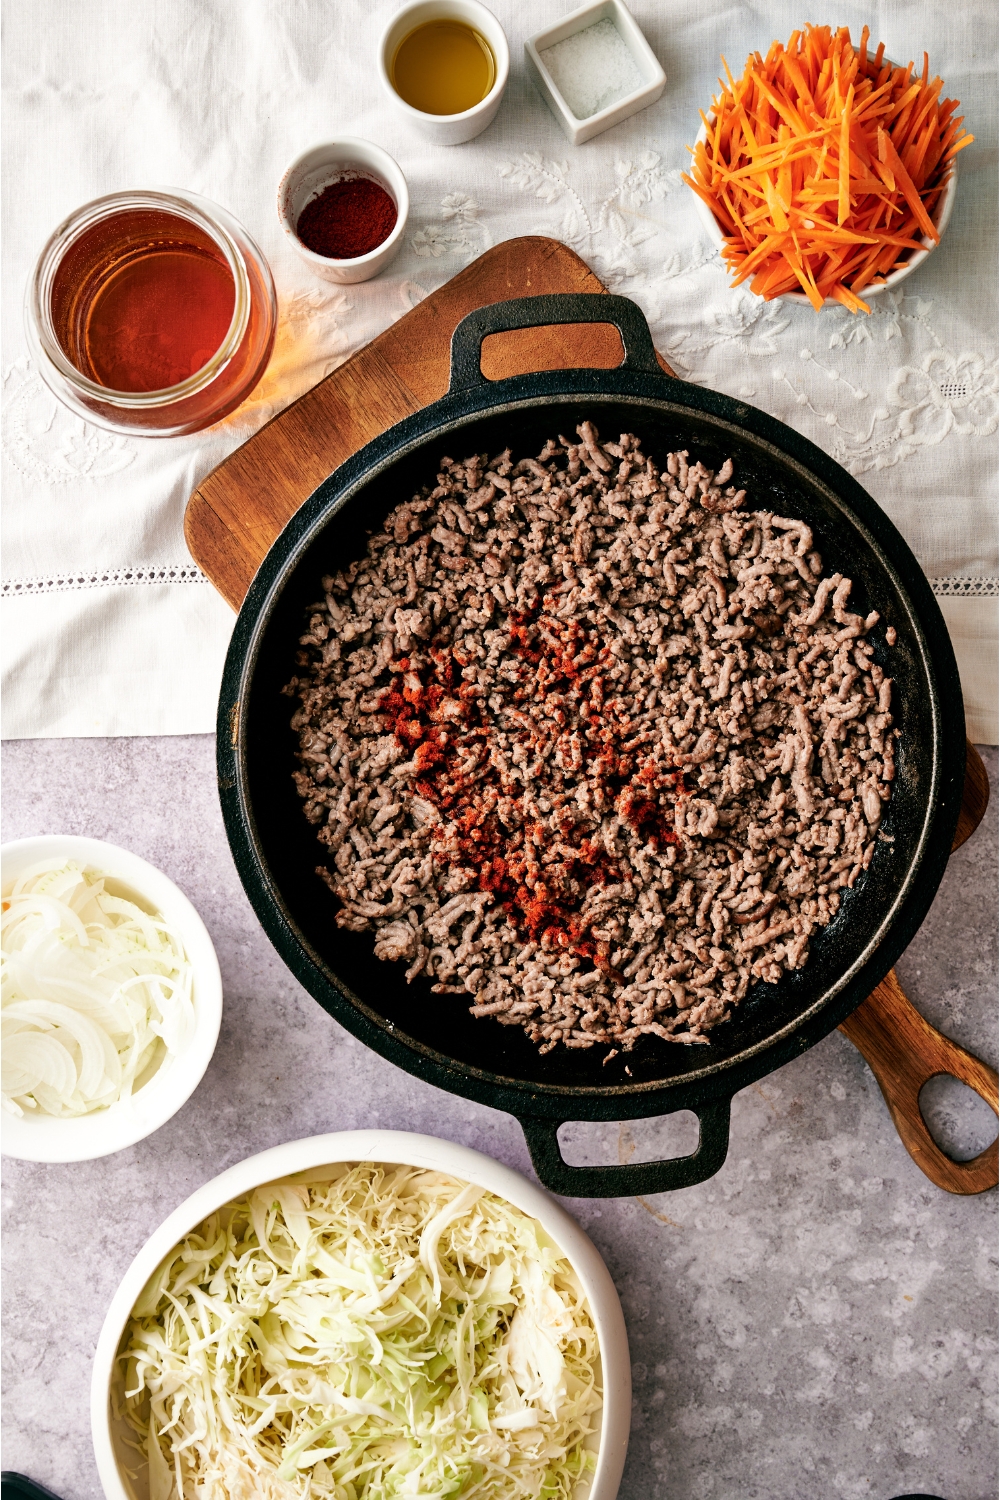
(904, 1051)
(634, 1180)
(540, 312)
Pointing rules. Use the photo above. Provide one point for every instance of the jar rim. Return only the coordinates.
(184, 205)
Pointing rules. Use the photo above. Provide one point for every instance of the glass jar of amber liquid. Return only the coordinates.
(151, 312)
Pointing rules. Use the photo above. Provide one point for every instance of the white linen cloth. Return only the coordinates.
(109, 628)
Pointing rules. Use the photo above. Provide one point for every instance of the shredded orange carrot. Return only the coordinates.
(824, 166)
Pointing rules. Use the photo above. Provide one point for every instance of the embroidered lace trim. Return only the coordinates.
(984, 587)
(61, 583)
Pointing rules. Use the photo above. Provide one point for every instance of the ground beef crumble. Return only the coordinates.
(591, 742)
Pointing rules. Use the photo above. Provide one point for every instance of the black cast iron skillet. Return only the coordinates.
(434, 1036)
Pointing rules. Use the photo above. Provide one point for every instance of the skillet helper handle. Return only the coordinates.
(539, 312)
(904, 1051)
(637, 1179)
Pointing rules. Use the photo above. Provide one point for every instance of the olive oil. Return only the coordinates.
(443, 68)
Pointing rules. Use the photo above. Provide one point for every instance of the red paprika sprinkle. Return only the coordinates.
(488, 827)
(347, 219)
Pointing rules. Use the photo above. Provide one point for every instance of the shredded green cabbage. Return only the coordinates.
(363, 1333)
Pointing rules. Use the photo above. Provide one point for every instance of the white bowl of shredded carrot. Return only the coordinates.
(826, 171)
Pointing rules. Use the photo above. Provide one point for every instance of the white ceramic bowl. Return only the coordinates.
(939, 219)
(645, 59)
(330, 162)
(378, 1146)
(39, 1137)
(446, 130)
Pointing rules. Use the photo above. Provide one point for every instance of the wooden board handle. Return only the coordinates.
(975, 796)
(903, 1051)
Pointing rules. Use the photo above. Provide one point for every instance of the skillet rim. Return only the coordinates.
(718, 1079)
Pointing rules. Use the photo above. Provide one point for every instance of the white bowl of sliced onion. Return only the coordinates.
(111, 999)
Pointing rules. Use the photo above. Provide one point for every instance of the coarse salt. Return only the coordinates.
(592, 69)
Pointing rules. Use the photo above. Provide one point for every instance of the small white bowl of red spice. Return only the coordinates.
(344, 205)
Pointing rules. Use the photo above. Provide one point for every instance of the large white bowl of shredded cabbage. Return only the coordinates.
(370, 1315)
(110, 999)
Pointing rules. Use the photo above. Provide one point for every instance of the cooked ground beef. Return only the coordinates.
(591, 742)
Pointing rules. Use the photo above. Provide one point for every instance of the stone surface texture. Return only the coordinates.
(814, 1323)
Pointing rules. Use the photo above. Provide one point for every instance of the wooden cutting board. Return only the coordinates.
(240, 508)
(237, 511)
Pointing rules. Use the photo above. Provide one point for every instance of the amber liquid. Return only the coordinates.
(142, 301)
(443, 68)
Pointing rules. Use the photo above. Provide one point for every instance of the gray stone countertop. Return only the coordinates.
(816, 1322)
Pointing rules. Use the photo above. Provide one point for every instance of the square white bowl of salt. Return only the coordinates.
(594, 68)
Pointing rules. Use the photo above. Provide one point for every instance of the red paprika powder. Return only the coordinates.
(441, 720)
(347, 219)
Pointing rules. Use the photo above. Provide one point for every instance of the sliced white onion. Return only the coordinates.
(32, 1057)
(91, 987)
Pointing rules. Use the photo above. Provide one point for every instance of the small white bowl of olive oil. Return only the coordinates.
(444, 64)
